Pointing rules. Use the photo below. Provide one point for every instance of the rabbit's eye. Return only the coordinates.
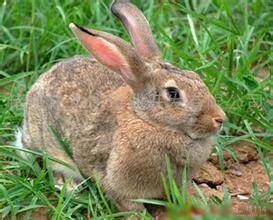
(173, 94)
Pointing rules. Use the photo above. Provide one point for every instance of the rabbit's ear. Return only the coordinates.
(114, 53)
(137, 27)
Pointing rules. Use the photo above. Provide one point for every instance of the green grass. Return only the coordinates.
(229, 42)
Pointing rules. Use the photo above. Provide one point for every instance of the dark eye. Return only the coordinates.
(173, 94)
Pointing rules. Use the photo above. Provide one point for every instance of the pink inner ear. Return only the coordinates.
(140, 34)
(108, 54)
(138, 39)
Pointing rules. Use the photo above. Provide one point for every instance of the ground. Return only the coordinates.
(237, 176)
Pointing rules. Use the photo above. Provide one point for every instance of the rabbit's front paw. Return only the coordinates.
(125, 205)
(60, 182)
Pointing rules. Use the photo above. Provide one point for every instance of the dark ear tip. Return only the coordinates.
(74, 27)
(114, 4)
(119, 1)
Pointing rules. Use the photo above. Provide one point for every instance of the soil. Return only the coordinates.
(238, 176)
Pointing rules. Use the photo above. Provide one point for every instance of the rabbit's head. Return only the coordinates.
(161, 93)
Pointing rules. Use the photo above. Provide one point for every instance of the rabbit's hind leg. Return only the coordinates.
(62, 171)
(65, 172)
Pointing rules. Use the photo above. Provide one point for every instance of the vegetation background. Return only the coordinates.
(228, 42)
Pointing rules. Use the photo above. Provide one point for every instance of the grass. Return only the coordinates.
(230, 43)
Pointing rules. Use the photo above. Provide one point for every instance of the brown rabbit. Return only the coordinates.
(122, 112)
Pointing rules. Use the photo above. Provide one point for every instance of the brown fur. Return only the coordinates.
(120, 131)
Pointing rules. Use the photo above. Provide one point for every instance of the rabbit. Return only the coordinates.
(122, 110)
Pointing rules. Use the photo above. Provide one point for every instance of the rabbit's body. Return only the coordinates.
(88, 105)
(122, 121)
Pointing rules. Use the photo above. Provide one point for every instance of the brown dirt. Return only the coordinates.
(37, 214)
(238, 176)
(4, 91)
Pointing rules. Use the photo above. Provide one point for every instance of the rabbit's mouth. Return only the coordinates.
(206, 127)
(203, 135)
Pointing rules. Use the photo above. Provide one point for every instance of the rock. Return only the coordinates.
(245, 151)
(243, 198)
(209, 174)
(235, 170)
(214, 158)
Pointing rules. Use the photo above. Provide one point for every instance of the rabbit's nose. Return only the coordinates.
(218, 123)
